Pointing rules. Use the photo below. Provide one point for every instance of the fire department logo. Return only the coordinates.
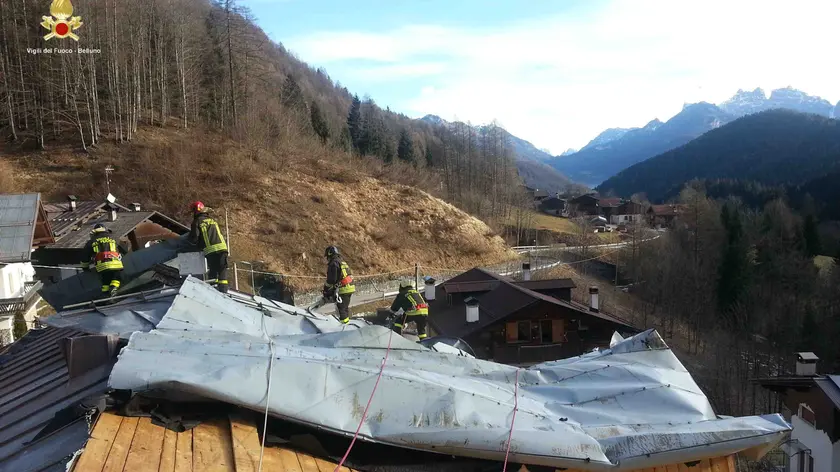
(62, 23)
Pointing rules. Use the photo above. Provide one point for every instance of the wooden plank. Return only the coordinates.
(122, 444)
(246, 445)
(288, 459)
(704, 466)
(672, 468)
(720, 464)
(307, 463)
(184, 451)
(212, 447)
(658, 469)
(730, 462)
(146, 447)
(168, 451)
(99, 444)
(325, 466)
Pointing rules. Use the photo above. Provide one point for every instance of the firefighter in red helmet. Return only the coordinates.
(206, 234)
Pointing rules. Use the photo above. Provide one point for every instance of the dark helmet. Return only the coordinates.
(99, 228)
(331, 251)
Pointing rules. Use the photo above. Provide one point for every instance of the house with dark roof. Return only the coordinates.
(584, 205)
(553, 206)
(609, 206)
(627, 212)
(520, 322)
(23, 226)
(73, 220)
(664, 215)
(810, 402)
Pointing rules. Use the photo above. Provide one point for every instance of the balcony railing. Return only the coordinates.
(22, 303)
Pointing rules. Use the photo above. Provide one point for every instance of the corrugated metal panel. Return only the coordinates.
(18, 215)
(628, 407)
(34, 386)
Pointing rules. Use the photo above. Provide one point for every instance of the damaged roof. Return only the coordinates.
(19, 219)
(628, 407)
(35, 387)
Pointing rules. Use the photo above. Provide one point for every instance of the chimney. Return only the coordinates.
(806, 364)
(112, 213)
(430, 289)
(593, 299)
(472, 310)
(526, 271)
(72, 199)
(135, 206)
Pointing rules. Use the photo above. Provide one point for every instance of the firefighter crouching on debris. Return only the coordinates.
(105, 255)
(205, 233)
(339, 282)
(414, 308)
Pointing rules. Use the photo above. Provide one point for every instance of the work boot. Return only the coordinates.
(113, 292)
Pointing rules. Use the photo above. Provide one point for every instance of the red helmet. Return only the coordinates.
(197, 207)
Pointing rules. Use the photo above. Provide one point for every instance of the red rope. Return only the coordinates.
(364, 415)
(512, 420)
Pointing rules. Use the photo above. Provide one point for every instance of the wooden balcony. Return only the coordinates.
(10, 306)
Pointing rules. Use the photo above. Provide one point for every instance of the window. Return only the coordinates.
(545, 330)
(523, 331)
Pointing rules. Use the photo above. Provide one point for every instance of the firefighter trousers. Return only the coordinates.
(419, 321)
(217, 269)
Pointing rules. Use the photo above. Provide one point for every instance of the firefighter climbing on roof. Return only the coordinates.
(410, 306)
(206, 234)
(339, 286)
(105, 255)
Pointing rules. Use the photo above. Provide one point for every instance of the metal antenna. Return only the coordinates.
(108, 170)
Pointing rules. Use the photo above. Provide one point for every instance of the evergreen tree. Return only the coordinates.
(354, 124)
(292, 95)
(430, 159)
(19, 328)
(320, 125)
(734, 265)
(406, 147)
(811, 234)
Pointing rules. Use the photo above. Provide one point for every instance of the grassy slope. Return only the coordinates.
(284, 206)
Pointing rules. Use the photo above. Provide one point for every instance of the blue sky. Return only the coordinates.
(558, 72)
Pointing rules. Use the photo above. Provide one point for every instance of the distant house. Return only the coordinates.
(608, 207)
(811, 403)
(628, 212)
(553, 206)
(23, 225)
(584, 205)
(520, 322)
(663, 215)
(73, 220)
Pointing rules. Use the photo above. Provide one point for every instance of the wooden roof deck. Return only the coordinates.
(124, 444)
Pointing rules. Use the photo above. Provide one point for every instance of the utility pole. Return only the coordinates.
(108, 170)
(417, 275)
(227, 231)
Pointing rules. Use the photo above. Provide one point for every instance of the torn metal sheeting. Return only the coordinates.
(631, 406)
(87, 286)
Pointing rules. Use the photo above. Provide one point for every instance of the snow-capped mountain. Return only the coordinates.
(836, 114)
(604, 138)
(569, 151)
(747, 103)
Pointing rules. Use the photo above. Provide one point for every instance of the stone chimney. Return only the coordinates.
(593, 299)
(430, 289)
(526, 271)
(72, 200)
(806, 364)
(472, 310)
(135, 206)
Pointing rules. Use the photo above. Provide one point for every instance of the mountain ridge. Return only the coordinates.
(772, 147)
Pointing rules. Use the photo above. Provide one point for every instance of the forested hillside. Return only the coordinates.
(202, 65)
(775, 147)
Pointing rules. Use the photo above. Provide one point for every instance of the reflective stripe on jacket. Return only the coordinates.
(106, 254)
(418, 305)
(345, 285)
(211, 237)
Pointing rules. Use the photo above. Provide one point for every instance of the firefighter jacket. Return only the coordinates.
(339, 277)
(411, 302)
(205, 233)
(105, 253)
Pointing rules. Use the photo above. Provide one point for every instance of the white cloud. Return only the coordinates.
(559, 81)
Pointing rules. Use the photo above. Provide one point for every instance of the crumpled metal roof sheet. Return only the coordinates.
(632, 406)
(86, 286)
